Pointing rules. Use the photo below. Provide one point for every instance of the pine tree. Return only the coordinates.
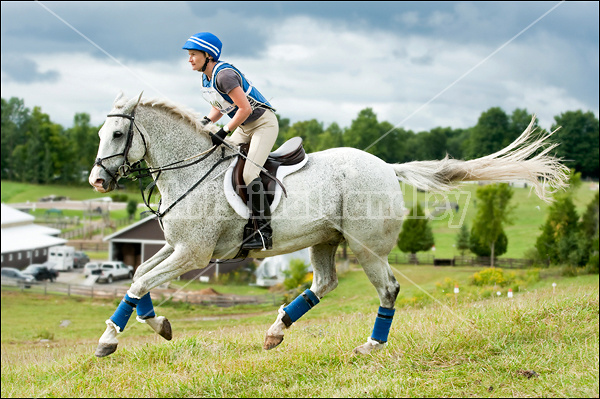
(416, 234)
(462, 239)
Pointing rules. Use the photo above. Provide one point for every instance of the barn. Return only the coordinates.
(23, 242)
(139, 241)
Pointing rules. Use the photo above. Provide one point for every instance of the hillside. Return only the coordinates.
(543, 342)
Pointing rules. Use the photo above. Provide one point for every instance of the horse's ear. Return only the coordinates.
(132, 104)
(138, 100)
(119, 97)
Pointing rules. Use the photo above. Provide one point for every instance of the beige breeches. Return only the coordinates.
(261, 134)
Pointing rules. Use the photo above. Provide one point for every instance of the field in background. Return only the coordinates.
(528, 216)
(543, 342)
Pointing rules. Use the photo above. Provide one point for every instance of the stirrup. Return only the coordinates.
(258, 241)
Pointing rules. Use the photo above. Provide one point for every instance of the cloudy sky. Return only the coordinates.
(417, 64)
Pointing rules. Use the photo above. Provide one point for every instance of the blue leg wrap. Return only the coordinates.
(302, 304)
(145, 309)
(383, 322)
(124, 311)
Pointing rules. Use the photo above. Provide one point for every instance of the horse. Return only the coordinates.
(339, 195)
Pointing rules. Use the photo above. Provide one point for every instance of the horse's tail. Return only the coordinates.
(515, 162)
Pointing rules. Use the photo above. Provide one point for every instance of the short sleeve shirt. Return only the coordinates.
(228, 80)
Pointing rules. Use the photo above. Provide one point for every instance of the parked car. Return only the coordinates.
(91, 268)
(41, 272)
(115, 270)
(12, 276)
(80, 258)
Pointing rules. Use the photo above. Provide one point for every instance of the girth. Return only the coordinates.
(290, 153)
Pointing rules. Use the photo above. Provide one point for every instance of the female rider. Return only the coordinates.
(253, 120)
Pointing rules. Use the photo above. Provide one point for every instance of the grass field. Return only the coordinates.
(543, 342)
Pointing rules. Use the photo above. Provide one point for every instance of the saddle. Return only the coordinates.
(289, 154)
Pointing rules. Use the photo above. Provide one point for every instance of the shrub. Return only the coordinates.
(492, 276)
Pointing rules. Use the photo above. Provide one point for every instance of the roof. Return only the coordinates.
(20, 234)
(12, 217)
(16, 239)
(153, 231)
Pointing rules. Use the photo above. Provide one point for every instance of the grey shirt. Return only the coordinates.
(228, 80)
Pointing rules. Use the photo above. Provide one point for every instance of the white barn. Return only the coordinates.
(24, 242)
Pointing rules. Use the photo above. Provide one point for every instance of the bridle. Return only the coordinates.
(126, 168)
(133, 171)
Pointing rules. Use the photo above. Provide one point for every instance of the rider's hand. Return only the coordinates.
(217, 138)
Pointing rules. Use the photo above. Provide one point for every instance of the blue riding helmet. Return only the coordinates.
(205, 41)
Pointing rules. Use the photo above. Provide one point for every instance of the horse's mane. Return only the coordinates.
(194, 119)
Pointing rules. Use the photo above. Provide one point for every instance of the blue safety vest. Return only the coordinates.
(222, 101)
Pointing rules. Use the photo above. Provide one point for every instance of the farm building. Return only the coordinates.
(138, 242)
(24, 242)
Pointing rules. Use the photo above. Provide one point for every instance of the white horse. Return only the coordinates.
(341, 194)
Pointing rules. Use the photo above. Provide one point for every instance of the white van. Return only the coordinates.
(62, 257)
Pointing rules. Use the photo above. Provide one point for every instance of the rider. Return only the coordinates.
(253, 120)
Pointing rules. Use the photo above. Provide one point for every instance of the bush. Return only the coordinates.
(492, 276)
(119, 197)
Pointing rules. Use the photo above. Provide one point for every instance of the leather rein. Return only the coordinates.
(127, 169)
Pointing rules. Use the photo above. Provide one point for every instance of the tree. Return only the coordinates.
(493, 211)
(579, 143)
(462, 239)
(488, 135)
(479, 248)
(132, 205)
(559, 232)
(416, 234)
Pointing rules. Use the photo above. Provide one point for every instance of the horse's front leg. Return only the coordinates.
(179, 262)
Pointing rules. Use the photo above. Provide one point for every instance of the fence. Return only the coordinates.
(94, 291)
(430, 259)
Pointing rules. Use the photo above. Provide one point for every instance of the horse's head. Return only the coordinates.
(122, 143)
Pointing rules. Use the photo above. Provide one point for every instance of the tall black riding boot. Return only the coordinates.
(261, 215)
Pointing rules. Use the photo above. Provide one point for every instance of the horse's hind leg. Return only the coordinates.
(380, 274)
(322, 257)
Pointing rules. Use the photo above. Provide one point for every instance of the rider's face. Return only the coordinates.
(196, 59)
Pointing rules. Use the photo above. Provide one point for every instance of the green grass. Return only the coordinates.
(437, 348)
(23, 192)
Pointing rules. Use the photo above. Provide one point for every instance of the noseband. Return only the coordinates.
(126, 167)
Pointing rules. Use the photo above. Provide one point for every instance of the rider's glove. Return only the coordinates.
(217, 138)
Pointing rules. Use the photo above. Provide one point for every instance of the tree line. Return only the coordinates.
(566, 238)
(37, 150)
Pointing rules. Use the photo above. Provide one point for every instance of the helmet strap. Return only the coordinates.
(205, 64)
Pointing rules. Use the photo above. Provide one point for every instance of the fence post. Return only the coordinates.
(69, 290)
(45, 287)
(92, 292)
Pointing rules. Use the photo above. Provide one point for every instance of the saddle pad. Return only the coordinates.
(236, 201)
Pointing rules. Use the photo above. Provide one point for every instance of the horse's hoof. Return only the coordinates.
(165, 330)
(369, 347)
(271, 341)
(105, 349)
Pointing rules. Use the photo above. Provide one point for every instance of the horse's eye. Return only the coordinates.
(118, 134)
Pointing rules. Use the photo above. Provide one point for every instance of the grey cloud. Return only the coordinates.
(25, 70)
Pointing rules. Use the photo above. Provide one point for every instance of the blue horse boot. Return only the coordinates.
(116, 324)
(145, 314)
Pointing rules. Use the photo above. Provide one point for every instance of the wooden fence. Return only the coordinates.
(430, 259)
(159, 295)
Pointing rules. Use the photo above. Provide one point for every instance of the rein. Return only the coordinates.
(126, 170)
